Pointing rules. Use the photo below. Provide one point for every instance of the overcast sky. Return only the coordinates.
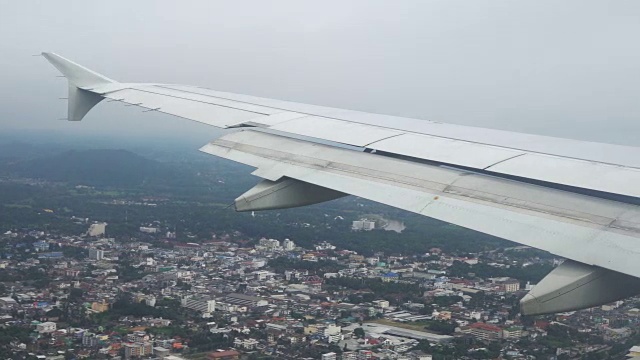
(561, 68)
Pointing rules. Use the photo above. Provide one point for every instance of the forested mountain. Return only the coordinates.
(91, 167)
(96, 168)
(191, 193)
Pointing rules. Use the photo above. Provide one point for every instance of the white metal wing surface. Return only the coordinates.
(572, 198)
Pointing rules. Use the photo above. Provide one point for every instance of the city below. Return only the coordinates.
(91, 296)
(146, 260)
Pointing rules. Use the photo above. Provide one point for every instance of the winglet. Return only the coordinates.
(78, 75)
(81, 81)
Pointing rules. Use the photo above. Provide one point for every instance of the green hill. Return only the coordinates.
(95, 168)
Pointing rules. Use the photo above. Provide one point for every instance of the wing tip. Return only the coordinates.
(77, 74)
(81, 100)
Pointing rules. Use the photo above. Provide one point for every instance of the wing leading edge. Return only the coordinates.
(485, 186)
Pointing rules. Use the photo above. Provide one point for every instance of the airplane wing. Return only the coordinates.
(575, 199)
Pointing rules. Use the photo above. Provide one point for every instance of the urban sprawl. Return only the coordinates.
(90, 296)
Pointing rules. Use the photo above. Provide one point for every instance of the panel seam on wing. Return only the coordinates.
(417, 183)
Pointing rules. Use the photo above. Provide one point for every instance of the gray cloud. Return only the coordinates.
(567, 69)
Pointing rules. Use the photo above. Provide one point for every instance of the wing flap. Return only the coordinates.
(547, 219)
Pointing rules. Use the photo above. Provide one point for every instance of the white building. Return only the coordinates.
(333, 333)
(263, 274)
(269, 243)
(423, 357)
(329, 356)
(225, 307)
(506, 284)
(368, 225)
(288, 245)
(97, 229)
(349, 355)
(199, 304)
(372, 260)
(475, 315)
(245, 300)
(365, 225)
(381, 303)
(148, 230)
(324, 246)
(248, 344)
(7, 301)
(96, 254)
(46, 327)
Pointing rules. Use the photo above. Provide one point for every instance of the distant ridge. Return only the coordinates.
(94, 167)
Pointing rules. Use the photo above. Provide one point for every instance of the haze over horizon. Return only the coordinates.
(565, 69)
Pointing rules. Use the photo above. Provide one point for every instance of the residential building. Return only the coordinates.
(381, 303)
(288, 245)
(224, 355)
(365, 225)
(349, 355)
(96, 254)
(46, 327)
(507, 284)
(263, 274)
(149, 230)
(137, 349)
(513, 332)
(165, 343)
(247, 344)
(331, 332)
(368, 225)
(483, 331)
(41, 246)
(269, 243)
(245, 300)
(329, 356)
(511, 285)
(138, 337)
(205, 305)
(8, 302)
(90, 339)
